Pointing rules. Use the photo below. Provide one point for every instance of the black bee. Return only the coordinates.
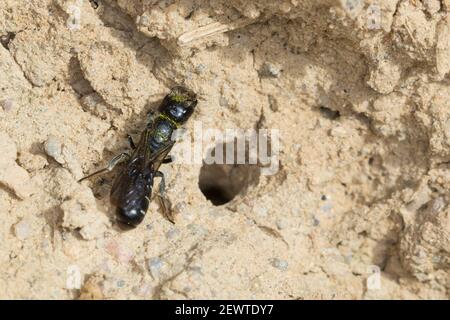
(131, 189)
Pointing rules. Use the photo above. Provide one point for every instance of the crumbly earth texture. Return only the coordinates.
(360, 93)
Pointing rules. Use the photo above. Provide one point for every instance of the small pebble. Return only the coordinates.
(282, 224)
(223, 102)
(436, 259)
(196, 270)
(180, 207)
(172, 233)
(269, 70)
(143, 20)
(432, 6)
(316, 221)
(187, 289)
(280, 264)
(94, 4)
(52, 147)
(304, 87)
(7, 105)
(22, 229)
(437, 205)
(154, 266)
(74, 20)
(352, 6)
(285, 7)
(90, 101)
(121, 283)
(6, 39)
(200, 68)
(273, 103)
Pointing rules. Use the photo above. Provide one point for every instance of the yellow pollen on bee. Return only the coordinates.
(178, 98)
(164, 117)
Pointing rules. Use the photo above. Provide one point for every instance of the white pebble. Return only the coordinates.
(280, 264)
(270, 70)
(437, 205)
(143, 20)
(154, 266)
(52, 147)
(282, 223)
(22, 230)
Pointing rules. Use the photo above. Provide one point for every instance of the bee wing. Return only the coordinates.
(156, 158)
(133, 183)
(136, 179)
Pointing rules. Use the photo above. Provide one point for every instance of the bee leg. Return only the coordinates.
(165, 204)
(131, 142)
(111, 164)
(151, 115)
(168, 159)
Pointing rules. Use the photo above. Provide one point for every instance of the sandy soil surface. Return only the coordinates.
(360, 91)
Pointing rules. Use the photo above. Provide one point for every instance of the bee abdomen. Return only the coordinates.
(161, 135)
(133, 212)
(133, 203)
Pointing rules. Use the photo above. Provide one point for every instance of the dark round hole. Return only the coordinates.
(216, 195)
(221, 183)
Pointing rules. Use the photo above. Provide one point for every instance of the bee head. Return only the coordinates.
(179, 104)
